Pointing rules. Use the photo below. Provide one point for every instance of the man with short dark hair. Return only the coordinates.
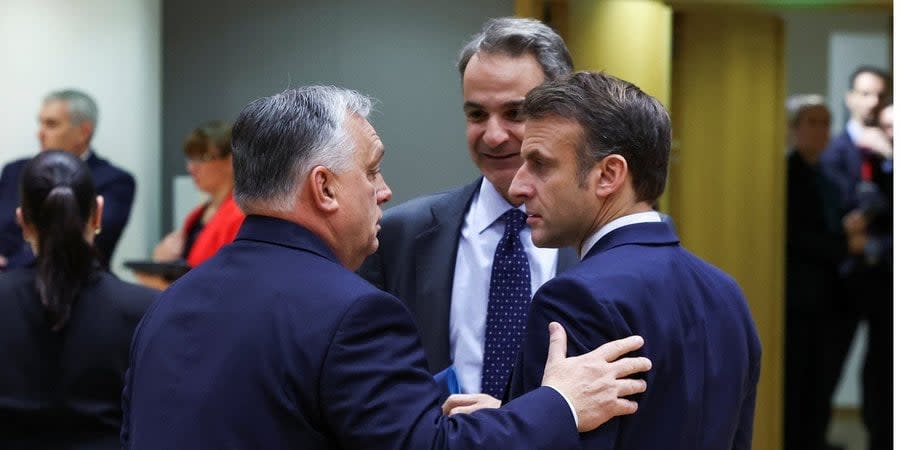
(596, 152)
(274, 343)
(67, 121)
(442, 254)
(860, 162)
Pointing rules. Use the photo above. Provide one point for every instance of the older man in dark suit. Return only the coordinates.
(67, 121)
(595, 157)
(274, 342)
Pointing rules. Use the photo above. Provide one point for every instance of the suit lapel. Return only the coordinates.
(435, 262)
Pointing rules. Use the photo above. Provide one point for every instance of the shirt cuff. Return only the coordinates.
(571, 407)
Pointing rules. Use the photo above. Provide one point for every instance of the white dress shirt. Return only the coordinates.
(472, 279)
(641, 217)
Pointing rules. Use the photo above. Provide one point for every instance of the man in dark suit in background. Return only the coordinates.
(274, 342)
(437, 252)
(595, 154)
(816, 310)
(67, 121)
(860, 162)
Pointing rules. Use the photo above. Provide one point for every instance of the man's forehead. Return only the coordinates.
(552, 128)
(869, 81)
(370, 136)
(54, 107)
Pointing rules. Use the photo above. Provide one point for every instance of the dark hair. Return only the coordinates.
(216, 132)
(515, 36)
(616, 117)
(874, 71)
(277, 140)
(58, 200)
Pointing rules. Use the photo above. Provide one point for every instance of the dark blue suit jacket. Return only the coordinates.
(272, 344)
(697, 331)
(114, 184)
(417, 259)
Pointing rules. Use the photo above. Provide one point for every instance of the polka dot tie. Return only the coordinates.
(508, 300)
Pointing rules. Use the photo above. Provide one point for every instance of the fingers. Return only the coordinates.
(623, 407)
(467, 404)
(458, 400)
(557, 350)
(629, 366)
(464, 409)
(631, 386)
(614, 350)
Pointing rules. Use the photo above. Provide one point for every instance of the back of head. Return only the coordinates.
(514, 36)
(277, 140)
(616, 117)
(81, 107)
(57, 201)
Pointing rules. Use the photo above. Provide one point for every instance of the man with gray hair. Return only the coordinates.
(274, 343)
(67, 121)
(444, 254)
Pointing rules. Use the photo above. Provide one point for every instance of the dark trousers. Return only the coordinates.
(816, 345)
(872, 287)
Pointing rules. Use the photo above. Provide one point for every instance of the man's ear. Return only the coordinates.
(322, 185)
(87, 130)
(608, 175)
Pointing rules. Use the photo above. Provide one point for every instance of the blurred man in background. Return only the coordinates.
(67, 121)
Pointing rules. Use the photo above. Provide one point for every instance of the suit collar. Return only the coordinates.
(284, 233)
(650, 233)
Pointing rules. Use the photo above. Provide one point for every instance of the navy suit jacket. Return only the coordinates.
(842, 162)
(416, 260)
(114, 184)
(272, 344)
(697, 331)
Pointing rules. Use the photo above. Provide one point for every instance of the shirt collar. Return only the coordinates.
(641, 217)
(854, 129)
(487, 206)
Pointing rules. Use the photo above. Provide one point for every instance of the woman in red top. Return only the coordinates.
(215, 222)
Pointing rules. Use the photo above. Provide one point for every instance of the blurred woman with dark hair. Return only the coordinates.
(65, 323)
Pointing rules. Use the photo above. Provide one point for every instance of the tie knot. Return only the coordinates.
(515, 220)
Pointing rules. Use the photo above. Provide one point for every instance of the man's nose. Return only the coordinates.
(495, 132)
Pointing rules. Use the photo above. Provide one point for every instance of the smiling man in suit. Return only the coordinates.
(442, 253)
(595, 154)
(274, 343)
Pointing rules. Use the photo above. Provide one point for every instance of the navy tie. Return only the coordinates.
(508, 300)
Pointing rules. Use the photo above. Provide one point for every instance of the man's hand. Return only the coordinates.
(595, 382)
(3, 263)
(875, 139)
(855, 222)
(468, 403)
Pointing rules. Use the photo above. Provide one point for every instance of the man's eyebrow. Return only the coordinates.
(379, 154)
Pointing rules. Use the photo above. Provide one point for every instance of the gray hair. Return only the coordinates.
(514, 36)
(81, 107)
(278, 140)
(795, 105)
